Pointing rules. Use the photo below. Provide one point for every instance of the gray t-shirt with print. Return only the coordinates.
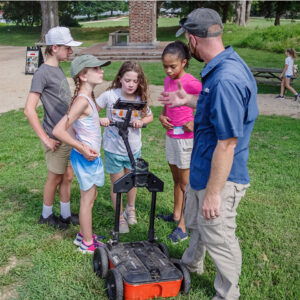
(112, 142)
(53, 86)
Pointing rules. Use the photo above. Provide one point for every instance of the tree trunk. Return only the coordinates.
(240, 13)
(277, 19)
(248, 10)
(49, 16)
(225, 7)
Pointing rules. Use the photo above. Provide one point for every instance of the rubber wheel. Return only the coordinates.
(100, 262)
(164, 249)
(114, 285)
(186, 282)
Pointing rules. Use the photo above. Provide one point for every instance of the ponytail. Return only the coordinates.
(292, 52)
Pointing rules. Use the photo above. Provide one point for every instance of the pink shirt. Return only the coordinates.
(182, 114)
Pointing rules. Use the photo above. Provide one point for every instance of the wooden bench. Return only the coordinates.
(268, 75)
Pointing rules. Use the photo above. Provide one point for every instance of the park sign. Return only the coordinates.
(34, 58)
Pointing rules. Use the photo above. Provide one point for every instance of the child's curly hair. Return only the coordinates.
(142, 89)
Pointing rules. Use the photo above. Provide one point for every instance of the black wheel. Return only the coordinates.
(186, 282)
(100, 262)
(164, 249)
(114, 285)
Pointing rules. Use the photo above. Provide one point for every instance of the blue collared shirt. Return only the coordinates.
(226, 108)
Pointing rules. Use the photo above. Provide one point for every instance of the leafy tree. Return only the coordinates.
(277, 9)
(93, 8)
(26, 13)
(224, 8)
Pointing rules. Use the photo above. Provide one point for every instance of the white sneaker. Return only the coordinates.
(129, 216)
(123, 226)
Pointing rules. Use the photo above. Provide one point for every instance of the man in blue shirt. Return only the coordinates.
(226, 110)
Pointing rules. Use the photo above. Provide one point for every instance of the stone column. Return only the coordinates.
(142, 23)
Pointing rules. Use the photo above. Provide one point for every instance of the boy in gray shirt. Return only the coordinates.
(50, 85)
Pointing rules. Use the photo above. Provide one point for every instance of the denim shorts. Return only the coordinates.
(288, 76)
(115, 163)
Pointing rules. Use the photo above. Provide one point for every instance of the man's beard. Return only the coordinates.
(194, 54)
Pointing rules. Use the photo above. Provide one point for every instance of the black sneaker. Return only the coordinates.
(297, 97)
(54, 221)
(74, 219)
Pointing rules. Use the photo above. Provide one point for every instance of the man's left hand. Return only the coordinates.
(211, 206)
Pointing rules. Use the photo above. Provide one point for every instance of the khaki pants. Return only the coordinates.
(217, 236)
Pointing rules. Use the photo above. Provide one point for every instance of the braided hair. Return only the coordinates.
(78, 84)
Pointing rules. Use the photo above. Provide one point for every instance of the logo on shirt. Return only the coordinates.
(64, 92)
(206, 90)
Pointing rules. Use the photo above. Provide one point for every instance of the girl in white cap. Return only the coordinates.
(85, 156)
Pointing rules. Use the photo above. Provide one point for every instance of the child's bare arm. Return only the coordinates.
(164, 120)
(61, 130)
(30, 112)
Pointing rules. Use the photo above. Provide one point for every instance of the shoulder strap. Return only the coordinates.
(92, 103)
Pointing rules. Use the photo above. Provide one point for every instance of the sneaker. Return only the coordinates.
(167, 218)
(280, 97)
(129, 216)
(123, 226)
(177, 235)
(90, 249)
(79, 238)
(297, 97)
(54, 221)
(74, 219)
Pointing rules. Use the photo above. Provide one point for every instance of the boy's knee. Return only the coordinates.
(57, 179)
(68, 176)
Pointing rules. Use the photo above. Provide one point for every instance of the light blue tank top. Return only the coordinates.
(88, 129)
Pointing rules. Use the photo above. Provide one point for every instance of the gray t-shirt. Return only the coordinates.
(53, 86)
(112, 142)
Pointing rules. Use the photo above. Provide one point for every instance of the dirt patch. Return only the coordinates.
(12, 262)
(14, 87)
(9, 292)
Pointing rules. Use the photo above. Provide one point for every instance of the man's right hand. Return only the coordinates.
(165, 122)
(177, 98)
(51, 143)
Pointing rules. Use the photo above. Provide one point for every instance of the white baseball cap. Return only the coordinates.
(60, 36)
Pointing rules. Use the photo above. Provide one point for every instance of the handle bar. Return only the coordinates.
(120, 124)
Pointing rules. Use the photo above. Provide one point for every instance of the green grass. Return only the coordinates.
(256, 22)
(49, 267)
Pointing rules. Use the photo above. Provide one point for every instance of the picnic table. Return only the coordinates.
(269, 75)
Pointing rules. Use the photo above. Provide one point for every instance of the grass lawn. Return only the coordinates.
(37, 262)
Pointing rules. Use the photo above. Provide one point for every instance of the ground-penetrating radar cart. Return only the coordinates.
(138, 270)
